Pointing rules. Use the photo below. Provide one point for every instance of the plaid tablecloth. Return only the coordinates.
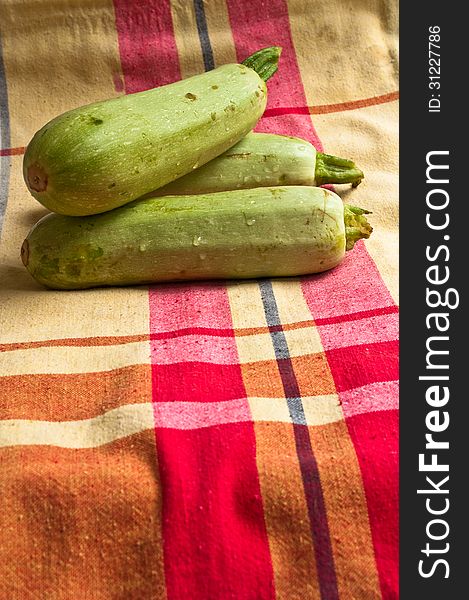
(202, 441)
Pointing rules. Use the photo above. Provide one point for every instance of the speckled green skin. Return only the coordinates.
(98, 157)
(265, 160)
(262, 232)
(258, 160)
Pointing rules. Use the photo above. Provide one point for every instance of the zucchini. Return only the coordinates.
(261, 232)
(100, 156)
(265, 159)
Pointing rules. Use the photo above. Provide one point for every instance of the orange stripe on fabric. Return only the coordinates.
(77, 342)
(129, 339)
(12, 151)
(354, 104)
(262, 378)
(262, 330)
(347, 513)
(313, 375)
(331, 108)
(82, 523)
(67, 397)
(286, 513)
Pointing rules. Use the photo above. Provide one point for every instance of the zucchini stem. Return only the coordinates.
(264, 62)
(356, 225)
(332, 169)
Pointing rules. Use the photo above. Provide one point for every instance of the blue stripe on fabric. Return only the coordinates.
(282, 354)
(307, 460)
(201, 20)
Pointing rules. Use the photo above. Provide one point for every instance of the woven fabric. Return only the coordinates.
(209, 441)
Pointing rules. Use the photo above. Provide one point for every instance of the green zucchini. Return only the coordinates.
(100, 156)
(261, 232)
(265, 159)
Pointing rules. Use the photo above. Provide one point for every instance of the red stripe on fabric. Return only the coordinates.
(286, 110)
(363, 314)
(322, 109)
(12, 151)
(214, 533)
(199, 380)
(376, 440)
(257, 24)
(165, 335)
(354, 366)
(215, 539)
(195, 381)
(146, 43)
